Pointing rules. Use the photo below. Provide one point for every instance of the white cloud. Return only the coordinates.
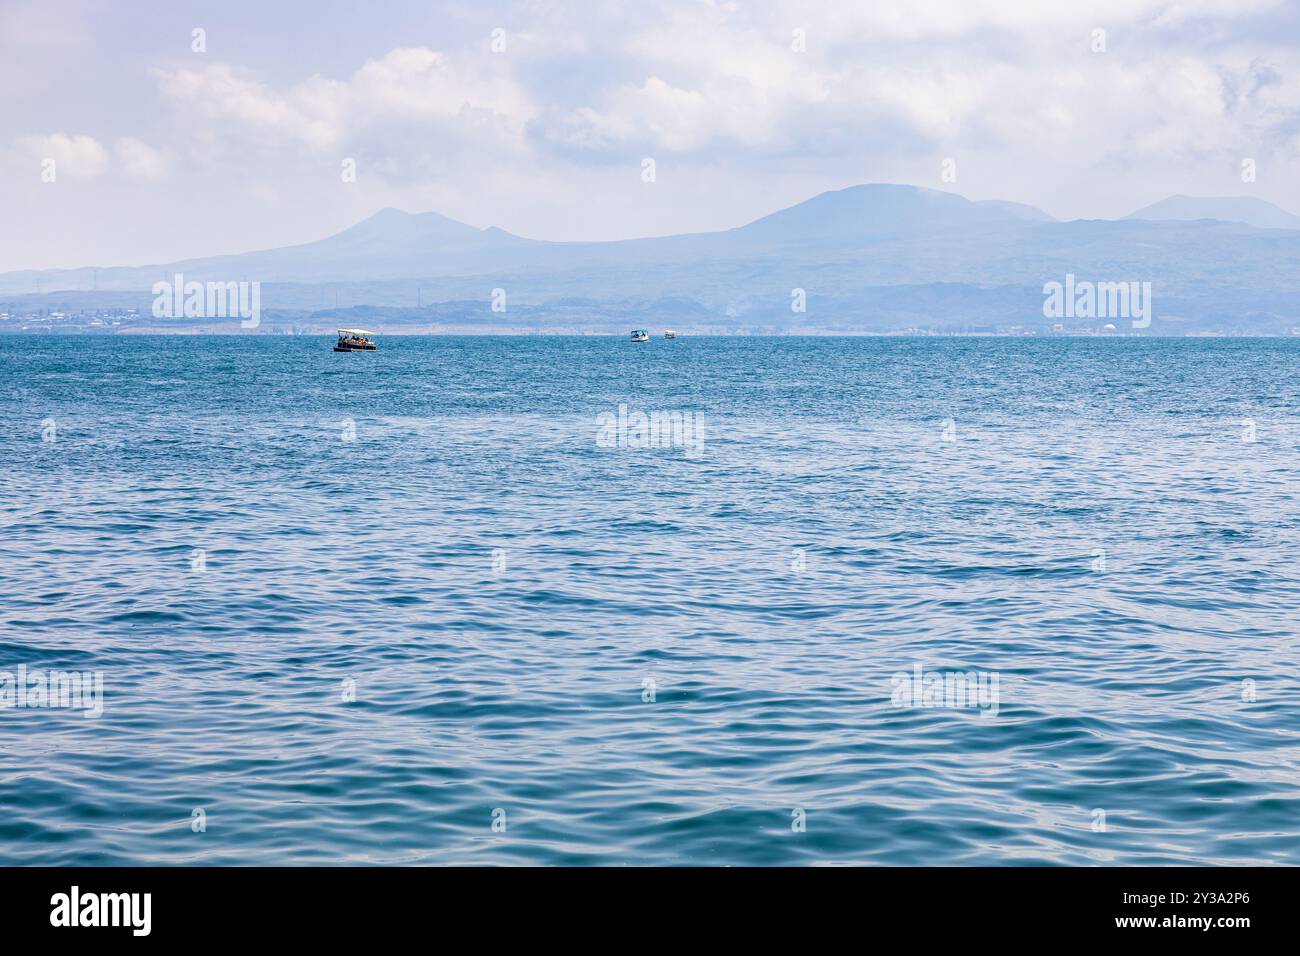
(222, 100)
(139, 160)
(76, 157)
(720, 82)
(412, 85)
(546, 138)
(908, 80)
(79, 157)
(922, 20)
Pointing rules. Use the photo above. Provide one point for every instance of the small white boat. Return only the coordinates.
(669, 334)
(640, 335)
(354, 340)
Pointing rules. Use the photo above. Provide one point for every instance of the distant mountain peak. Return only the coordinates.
(392, 230)
(1250, 210)
(878, 209)
(399, 226)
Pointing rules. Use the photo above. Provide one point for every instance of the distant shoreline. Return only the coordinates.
(459, 333)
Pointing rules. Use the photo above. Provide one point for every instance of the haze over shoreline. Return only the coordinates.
(875, 258)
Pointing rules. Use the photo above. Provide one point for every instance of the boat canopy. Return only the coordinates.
(354, 332)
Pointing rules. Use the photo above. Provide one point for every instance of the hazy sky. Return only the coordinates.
(161, 152)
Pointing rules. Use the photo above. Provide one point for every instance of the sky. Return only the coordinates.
(538, 117)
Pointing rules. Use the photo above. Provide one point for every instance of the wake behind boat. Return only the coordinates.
(354, 340)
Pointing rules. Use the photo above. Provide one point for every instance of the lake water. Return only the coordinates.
(441, 604)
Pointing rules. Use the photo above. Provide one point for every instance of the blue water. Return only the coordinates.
(644, 655)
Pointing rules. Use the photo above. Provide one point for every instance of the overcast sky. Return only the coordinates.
(161, 152)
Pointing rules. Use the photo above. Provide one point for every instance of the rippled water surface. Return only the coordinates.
(644, 655)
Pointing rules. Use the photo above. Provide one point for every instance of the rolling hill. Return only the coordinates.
(873, 257)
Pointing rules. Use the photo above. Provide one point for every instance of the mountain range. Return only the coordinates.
(869, 258)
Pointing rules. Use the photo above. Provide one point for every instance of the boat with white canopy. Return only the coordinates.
(354, 340)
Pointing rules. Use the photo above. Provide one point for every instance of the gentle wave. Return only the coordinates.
(645, 655)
